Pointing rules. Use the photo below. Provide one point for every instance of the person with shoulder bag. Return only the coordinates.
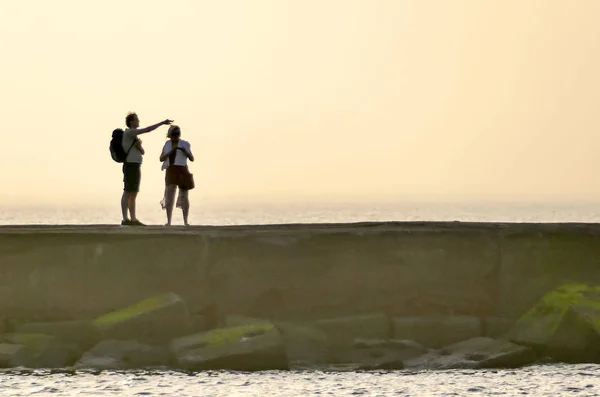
(175, 154)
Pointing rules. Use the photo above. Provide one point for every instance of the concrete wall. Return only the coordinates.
(293, 271)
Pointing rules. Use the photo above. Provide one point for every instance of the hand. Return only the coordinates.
(167, 122)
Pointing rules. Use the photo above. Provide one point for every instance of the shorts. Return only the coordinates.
(132, 175)
(180, 176)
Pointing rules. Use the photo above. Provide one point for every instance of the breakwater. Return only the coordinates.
(292, 272)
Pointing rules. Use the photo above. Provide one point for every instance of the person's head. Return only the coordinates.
(132, 120)
(174, 133)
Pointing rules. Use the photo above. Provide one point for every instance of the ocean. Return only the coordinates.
(264, 213)
(537, 380)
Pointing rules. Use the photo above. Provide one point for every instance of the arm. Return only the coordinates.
(166, 155)
(187, 153)
(138, 145)
(145, 130)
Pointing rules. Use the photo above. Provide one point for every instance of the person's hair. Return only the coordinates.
(130, 117)
(173, 128)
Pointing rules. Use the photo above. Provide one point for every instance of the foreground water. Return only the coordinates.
(543, 380)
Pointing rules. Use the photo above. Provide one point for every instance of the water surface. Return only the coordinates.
(541, 380)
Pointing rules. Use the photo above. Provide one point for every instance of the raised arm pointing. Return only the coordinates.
(137, 131)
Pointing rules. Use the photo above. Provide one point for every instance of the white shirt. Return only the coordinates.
(180, 157)
(134, 156)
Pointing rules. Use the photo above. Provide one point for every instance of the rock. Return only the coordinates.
(493, 353)
(305, 345)
(384, 363)
(236, 320)
(36, 341)
(155, 320)
(343, 330)
(437, 331)
(494, 327)
(12, 353)
(199, 323)
(405, 349)
(41, 351)
(217, 337)
(480, 352)
(564, 324)
(84, 334)
(250, 347)
(124, 354)
(390, 354)
(205, 318)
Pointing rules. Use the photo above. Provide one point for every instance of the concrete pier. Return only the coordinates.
(293, 272)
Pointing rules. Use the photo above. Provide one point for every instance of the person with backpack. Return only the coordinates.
(130, 152)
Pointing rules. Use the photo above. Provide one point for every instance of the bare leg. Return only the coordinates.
(124, 205)
(170, 201)
(185, 205)
(131, 196)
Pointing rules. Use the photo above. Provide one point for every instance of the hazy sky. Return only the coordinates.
(305, 99)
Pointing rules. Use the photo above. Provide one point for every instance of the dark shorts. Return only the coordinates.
(132, 175)
(180, 176)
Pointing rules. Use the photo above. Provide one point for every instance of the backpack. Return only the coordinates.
(117, 152)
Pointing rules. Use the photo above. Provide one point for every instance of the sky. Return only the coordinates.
(317, 100)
